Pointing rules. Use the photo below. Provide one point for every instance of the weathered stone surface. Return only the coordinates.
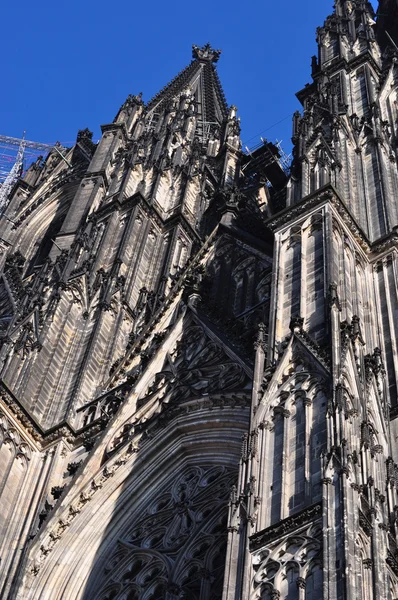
(199, 352)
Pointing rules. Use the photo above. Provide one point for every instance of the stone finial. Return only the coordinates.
(296, 324)
(131, 100)
(377, 358)
(56, 491)
(261, 337)
(84, 134)
(205, 52)
(232, 111)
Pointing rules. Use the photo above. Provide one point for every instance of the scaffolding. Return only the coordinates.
(12, 176)
(16, 154)
(9, 148)
(285, 159)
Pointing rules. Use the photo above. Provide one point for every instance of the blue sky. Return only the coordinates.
(69, 65)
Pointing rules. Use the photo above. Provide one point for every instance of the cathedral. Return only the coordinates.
(199, 347)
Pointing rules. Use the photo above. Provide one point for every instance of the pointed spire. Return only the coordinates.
(201, 77)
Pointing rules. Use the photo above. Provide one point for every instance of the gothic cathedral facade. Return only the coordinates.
(199, 349)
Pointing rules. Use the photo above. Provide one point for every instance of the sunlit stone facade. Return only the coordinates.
(199, 359)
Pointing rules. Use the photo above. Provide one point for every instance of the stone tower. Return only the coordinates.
(147, 450)
(134, 275)
(314, 513)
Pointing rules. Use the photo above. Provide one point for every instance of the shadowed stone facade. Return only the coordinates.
(199, 361)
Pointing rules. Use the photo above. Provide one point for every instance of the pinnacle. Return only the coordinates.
(205, 53)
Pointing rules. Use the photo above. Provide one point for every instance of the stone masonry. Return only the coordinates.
(198, 349)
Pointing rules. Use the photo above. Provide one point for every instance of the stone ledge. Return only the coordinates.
(285, 527)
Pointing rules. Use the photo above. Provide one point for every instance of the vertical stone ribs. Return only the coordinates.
(215, 104)
(175, 86)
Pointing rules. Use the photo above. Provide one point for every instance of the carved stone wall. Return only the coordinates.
(291, 567)
(147, 450)
(23, 471)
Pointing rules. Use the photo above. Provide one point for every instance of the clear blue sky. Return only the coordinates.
(69, 65)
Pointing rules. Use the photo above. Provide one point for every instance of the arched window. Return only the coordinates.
(314, 584)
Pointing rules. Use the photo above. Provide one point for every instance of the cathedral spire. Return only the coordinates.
(201, 77)
(133, 404)
(347, 134)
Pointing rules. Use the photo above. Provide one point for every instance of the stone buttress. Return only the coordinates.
(314, 513)
(150, 451)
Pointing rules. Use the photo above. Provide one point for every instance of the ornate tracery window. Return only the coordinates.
(176, 543)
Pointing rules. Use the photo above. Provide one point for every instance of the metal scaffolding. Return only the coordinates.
(15, 155)
(14, 173)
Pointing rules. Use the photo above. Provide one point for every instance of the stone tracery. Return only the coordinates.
(196, 365)
(177, 542)
(293, 562)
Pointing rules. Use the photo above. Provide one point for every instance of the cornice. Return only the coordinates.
(300, 209)
(329, 195)
(336, 67)
(361, 59)
(121, 127)
(37, 436)
(122, 204)
(325, 195)
(285, 527)
(94, 176)
(349, 221)
(385, 244)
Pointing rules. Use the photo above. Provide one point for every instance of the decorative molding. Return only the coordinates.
(285, 527)
(68, 512)
(326, 195)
